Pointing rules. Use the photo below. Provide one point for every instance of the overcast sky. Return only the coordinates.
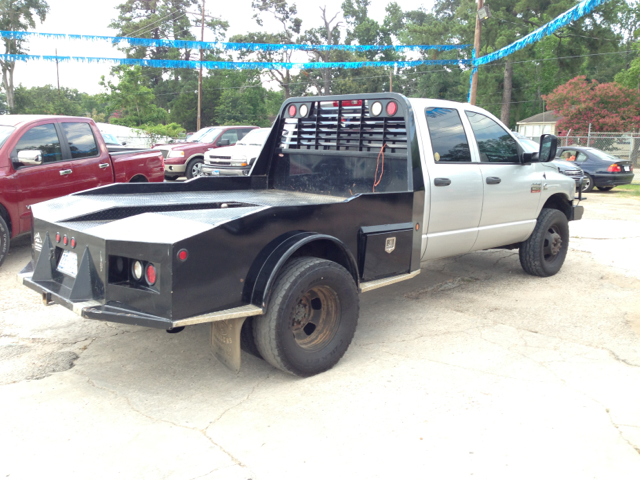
(93, 17)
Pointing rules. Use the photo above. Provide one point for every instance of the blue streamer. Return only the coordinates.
(473, 72)
(194, 45)
(573, 14)
(196, 64)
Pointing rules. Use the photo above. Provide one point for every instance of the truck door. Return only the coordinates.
(511, 190)
(454, 187)
(91, 167)
(58, 174)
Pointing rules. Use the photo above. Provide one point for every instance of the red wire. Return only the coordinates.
(376, 180)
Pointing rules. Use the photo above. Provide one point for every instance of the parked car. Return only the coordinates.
(569, 169)
(187, 158)
(44, 157)
(601, 169)
(236, 160)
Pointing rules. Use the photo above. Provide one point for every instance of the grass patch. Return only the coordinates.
(632, 190)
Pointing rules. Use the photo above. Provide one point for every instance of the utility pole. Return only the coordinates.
(57, 72)
(391, 80)
(200, 77)
(476, 47)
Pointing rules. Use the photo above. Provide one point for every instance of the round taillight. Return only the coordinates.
(392, 108)
(58, 237)
(73, 242)
(376, 109)
(65, 240)
(292, 110)
(150, 275)
(137, 270)
(183, 255)
(304, 110)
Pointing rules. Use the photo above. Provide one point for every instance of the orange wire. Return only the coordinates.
(376, 180)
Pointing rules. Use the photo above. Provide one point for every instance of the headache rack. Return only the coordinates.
(345, 125)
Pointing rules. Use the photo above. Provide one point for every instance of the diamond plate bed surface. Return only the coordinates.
(65, 209)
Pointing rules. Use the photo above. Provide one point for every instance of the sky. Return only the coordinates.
(93, 17)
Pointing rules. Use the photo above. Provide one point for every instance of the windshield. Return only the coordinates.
(5, 131)
(205, 135)
(256, 137)
(602, 155)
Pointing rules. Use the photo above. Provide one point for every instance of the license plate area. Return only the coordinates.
(68, 263)
(627, 169)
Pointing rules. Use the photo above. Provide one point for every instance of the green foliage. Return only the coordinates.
(48, 100)
(158, 132)
(132, 98)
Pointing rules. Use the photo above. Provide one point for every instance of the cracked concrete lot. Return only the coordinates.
(471, 370)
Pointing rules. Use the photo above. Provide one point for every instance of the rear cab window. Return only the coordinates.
(82, 142)
(448, 138)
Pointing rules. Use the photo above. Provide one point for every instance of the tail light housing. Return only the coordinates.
(614, 168)
(348, 103)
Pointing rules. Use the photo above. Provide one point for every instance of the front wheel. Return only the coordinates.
(194, 168)
(311, 319)
(5, 239)
(543, 253)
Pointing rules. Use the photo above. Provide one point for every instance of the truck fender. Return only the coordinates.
(559, 201)
(264, 272)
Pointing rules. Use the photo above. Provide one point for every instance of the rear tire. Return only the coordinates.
(605, 189)
(543, 253)
(5, 240)
(587, 183)
(171, 177)
(311, 319)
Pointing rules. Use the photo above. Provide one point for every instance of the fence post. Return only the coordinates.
(589, 137)
(566, 139)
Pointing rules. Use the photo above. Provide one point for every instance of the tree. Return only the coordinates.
(607, 107)
(132, 98)
(48, 100)
(17, 15)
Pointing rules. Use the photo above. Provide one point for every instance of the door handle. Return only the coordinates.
(66, 172)
(493, 180)
(442, 182)
(103, 165)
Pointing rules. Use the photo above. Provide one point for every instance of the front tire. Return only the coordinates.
(311, 318)
(605, 189)
(587, 183)
(5, 239)
(194, 168)
(543, 253)
(171, 177)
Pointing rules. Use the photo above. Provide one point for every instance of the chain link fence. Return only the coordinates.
(625, 146)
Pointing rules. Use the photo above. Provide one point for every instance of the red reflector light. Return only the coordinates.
(65, 240)
(150, 274)
(348, 103)
(73, 243)
(614, 167)
(57, 237)
(183, 254)
(292, 110)
(392, 108)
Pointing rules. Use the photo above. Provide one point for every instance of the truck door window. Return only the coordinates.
(81, 140)
(43, 138)
(231, 135)
(494, 142)
(448, 139)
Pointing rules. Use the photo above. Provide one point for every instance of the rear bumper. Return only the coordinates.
(215, 170)
(174, 168)
(120, 313)
(606, 180)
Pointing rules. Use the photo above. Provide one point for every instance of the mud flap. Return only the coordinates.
(225, 341)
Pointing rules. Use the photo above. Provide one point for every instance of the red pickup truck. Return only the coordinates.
(43, 157)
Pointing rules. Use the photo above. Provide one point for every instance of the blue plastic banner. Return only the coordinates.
(195, 64)
(571, 15)
(194, 45)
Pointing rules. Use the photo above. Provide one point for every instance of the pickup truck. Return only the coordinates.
(43, 157)
(186, 159)
(349, 194)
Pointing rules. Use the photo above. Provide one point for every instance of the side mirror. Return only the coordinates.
(124, 143)
(224, 142)
(548, 148)
(30, 157)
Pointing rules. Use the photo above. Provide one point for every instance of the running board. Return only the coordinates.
(383, 282)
